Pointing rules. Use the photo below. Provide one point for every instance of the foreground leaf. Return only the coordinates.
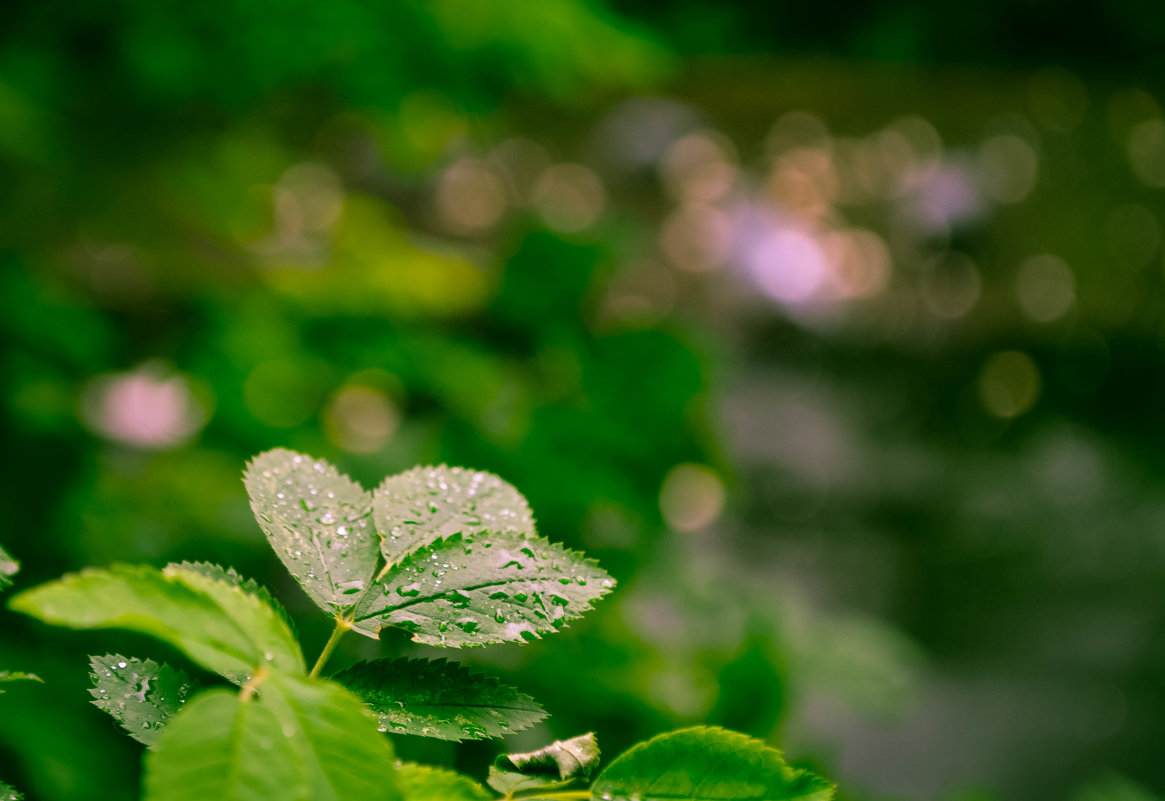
(232, 577)
(423, 783)
(7, 676)
(491, 588)
(140, 694)
(318, 522)
(439, 699)
(9, 793)
(9, 567)
(428, 504)
(557, 765)
(708, 764)
(220, 627)
(297, 740)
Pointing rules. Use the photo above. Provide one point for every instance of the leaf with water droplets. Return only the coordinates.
(10, 793)
(428, 504)
(217, 625)
(9, 567)
(424, 783)
(7, 676)
(318, 522)
(298, 739)
(232, 577)
(140, 694)
(708, 764)
(492, 588)
(435, 698)
(561, 763)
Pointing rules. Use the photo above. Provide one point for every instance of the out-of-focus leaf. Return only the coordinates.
(140, 694)
(481, 589)
(7, 676)
(708, 764)
(8, 568)
(217, 625)
(296, 740)
(558, 764)
(427, 504)
(318, 522)
(424, 783)
(10, 793)
(439, 699)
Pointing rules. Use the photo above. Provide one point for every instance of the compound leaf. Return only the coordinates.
(318, 522)
(140, 694)
(557, 765)
(9, 567)
(297, 740)
(423, 783)
(477, 590)
(217, 625)
(7, 676)
(439, 699)
(428, 504)
(708, 764)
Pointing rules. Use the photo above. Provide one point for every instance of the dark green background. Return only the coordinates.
(246, 203)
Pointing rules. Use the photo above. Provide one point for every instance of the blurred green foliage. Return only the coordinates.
(899, 511)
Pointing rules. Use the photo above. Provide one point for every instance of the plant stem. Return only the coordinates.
(342, 627)
(581, 795)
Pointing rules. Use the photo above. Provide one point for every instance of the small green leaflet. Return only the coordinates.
(140, 694)
(296, 740)
(428, 504)
(9, 567)
(423, 783)
(439, 699)
(708, 764)
(319, 524)
(559, 764)
(9, 793)
(494, 588)
(6, 676)
(217, 625)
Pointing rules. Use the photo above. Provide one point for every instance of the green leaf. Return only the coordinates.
(296, 740)
(232, 577)
(423, 783)
(708, 764)
(427, 504)
(9, 793)
(7, 676)
(318, 522)
(140, 694)
(557, 765)
(439, 699)
(477, 590)
(9, 567)
(219, 626)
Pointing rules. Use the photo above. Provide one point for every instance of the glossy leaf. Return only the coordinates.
(428, 504)
(708, 764)
(296, 740)
(424, 783)
(140, 694)
(557, 765)
(439, 699)
(318, 522)
(217, 625)
(9, 567)
(492, 588)
(7, 676)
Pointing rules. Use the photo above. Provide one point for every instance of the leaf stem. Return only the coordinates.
(342, 627)
(582, 795)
